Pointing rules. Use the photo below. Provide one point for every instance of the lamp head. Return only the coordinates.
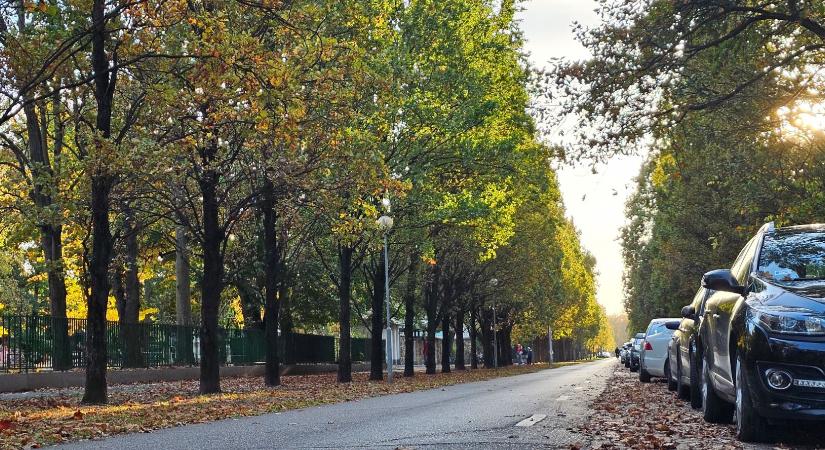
(385, 223)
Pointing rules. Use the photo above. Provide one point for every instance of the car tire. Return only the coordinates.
(671, 383)
(750, 427)
(714, 409)
(644, 376)
(682, 391)
(695, 378)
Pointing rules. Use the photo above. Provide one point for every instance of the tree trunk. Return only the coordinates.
(183, 298)
(183, 290)
(487, 344)
(459, 340)
(432, 297)
(473, 337)
(283, 298)
(101, 186)
(344, 313)
(505, 346)
(272, 373)
(51, 229)
(212, 283)
(377, 354)
(446, 343)
(130, 312)
(409, 316)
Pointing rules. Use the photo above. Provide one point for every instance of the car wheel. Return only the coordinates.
(750, 427)
(682, 391)
(644, 376)
(695, 378)
(714, 409)
(671, 383)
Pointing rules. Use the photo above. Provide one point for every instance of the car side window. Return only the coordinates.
(741, 267)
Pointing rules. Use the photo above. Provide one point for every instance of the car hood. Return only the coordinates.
(809, 295)
(811, 289)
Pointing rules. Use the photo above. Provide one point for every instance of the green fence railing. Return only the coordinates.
(29, 343)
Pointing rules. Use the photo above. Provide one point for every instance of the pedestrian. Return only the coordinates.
(529, 355)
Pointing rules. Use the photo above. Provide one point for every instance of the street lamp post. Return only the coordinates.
(385, 222)
(494, 283)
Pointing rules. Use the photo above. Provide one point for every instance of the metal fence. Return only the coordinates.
(29, 343)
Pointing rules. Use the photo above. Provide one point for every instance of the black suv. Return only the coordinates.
(763, 332)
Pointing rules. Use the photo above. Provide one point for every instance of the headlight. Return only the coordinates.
(787, 320)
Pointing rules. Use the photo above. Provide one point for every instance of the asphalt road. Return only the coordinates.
(472, 415)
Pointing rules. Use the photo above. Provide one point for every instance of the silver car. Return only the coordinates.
(653, 356)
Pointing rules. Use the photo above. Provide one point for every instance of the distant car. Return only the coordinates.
(635, 349)
(653, 354)
(624, 354)
(603, 355)
(685, 364)
(764, 332)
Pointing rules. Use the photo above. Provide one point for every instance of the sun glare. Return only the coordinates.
(802, 118)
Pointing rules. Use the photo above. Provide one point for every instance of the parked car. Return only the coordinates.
(672, 356)
(685, 365)
(624, 354)
(635, 349)
(764, 332)
(653, 355)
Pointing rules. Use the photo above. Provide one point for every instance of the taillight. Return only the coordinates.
(648, 346)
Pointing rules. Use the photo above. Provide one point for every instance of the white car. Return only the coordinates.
(653, 354)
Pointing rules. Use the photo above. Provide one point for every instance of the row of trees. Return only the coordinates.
(727, 96)
(247, 149)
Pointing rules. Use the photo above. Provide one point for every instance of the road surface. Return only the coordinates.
(473, 415)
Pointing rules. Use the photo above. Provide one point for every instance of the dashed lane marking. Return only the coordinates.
(532, 420)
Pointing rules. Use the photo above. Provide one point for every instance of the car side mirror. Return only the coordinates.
(722, 280)
(689, 312)
(672, 325)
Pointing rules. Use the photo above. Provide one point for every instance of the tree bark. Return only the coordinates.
(102, 180)
(459, 340)
(431, 304)
(446, 344)
(272, 373)
(212, 283)
(473, 336)
(376, 343)
(183, 298)
(409, 316)
(183, 289)
(345, 253)
(487, 344)
(129, 313)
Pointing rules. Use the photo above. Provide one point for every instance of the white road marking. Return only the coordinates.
(532, 420)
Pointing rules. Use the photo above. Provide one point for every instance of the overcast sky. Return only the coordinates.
(595, 202)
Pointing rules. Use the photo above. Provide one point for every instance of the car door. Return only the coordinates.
(718, 314)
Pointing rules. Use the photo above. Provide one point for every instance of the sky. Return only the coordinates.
(595, 202)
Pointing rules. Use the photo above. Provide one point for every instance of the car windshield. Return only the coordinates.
(793, 255)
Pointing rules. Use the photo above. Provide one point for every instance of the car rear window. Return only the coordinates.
(793, 255)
